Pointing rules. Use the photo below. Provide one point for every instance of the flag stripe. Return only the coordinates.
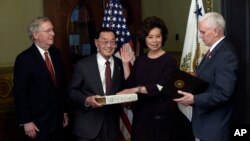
(126, 122)
(121, 137)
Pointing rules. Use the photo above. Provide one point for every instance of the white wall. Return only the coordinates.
(174, 13)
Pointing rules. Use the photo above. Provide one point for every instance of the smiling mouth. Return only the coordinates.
(154, 46)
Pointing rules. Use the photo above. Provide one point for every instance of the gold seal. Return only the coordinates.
(179, 84)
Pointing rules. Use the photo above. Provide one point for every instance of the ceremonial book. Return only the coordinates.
(117, 99)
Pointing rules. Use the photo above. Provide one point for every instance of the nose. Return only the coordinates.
(52, 32)
(154, 39)
(109, 43)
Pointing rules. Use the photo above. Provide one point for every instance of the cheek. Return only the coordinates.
(147, 41)
(150, 41)
(159, 40)
(209, 38)
(205, 36)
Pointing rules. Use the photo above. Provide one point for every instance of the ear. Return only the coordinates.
(35, 35)
(216, 32)
(96, 43)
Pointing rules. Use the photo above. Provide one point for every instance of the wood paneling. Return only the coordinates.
(9, 130)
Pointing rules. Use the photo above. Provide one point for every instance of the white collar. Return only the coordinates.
(216, 43)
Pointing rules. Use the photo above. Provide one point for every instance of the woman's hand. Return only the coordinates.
(128, 91)
(127, 54)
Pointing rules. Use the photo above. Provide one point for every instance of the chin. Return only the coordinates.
(51, 43)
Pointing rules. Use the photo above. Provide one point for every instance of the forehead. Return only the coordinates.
(203, 26)
(46, 24)
(155, 30)
(107, 35)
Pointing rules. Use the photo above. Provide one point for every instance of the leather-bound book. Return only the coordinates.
(183, 81)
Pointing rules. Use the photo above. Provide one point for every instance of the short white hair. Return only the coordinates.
(34, 25)
(214, 19)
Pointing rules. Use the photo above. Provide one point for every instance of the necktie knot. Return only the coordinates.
(107, 63)
(208, 53)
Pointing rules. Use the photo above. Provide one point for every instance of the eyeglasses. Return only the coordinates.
(105, 42)
(47, 31)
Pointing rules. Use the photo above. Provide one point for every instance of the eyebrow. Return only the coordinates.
(106, 38)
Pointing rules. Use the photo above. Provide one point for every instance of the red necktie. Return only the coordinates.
(208, 53)
(50, 67)
(108, 77)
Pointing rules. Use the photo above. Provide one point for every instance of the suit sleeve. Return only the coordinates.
(77, 96)
(222, 87)
(21, 83)
(63, 84)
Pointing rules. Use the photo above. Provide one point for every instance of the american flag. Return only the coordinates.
(114, 19)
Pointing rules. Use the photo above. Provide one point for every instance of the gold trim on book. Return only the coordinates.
(116, 99)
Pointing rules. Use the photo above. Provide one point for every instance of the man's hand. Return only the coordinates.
(65, 120)
(92, 102)
(186, 100)
(30, 129)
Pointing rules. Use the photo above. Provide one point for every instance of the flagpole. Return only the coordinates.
(197, 51)
(193, 47)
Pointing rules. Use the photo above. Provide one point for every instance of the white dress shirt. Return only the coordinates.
(102, 66)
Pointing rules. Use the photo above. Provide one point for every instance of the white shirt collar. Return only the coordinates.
(42, 51)
(102, 60)
(216, 43)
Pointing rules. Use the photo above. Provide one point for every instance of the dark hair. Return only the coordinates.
(104, 29)
(148, 24)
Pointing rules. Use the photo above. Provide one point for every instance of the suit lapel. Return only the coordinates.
(96, 74)
(116, 75)
(40, 62)
(205, 61)
(39, 59)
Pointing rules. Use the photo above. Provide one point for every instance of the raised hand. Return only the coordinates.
(126, 53)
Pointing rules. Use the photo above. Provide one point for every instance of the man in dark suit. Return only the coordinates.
(39, 94)
(212, 109)
(94, 122)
